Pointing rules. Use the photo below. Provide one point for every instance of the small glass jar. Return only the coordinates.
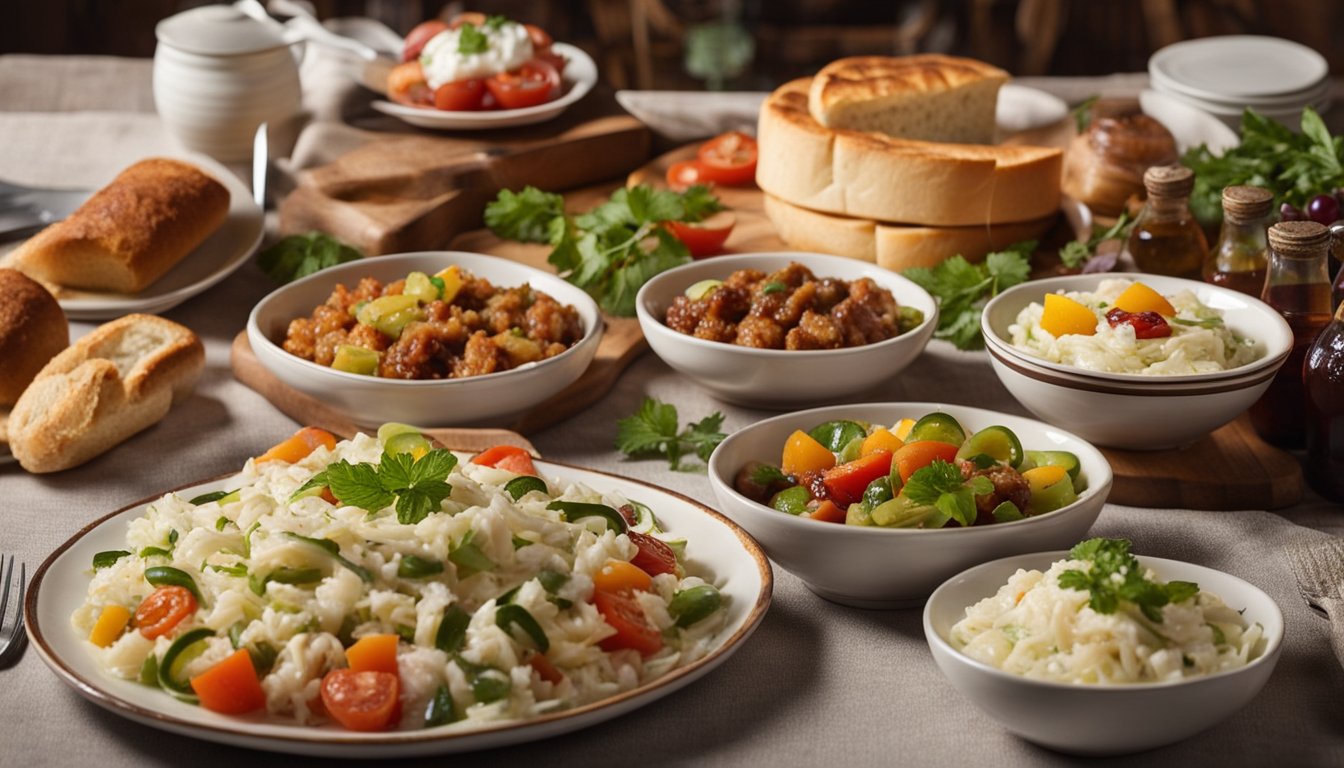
(1166, 238)
(1240, 259)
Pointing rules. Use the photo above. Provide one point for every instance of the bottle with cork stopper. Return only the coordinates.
(1298, 287)
(1166, 238)
(1323, 380)
(1240, 258)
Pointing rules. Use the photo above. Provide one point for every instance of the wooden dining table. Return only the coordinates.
(817, 684)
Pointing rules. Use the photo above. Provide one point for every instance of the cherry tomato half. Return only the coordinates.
(406, 85)
(362, 701)
(622, 612)
(535, 82)
(684, 175)
(461, 95)
(164, 609)
(654, 556)
(728, 158)
(705, 238)
(421, 34)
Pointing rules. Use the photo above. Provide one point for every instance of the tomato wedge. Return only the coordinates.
(684, 175)
(704, 238)
(461, 95)
(510, 458)
(421, 34)
(912, 457)
(535, 82)
(164, 609)
(728, 158)
(846, 483)
(622, 613)
(654, 556)
(362, 701)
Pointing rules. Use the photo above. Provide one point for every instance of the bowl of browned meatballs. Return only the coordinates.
(779, 330)
(434, 339)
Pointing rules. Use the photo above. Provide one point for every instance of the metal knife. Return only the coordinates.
(260, 157)
(24, 210)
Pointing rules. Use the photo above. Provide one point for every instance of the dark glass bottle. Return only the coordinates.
(1166, 238)
(1298, 286)
(1240, 258)
(1323, 380)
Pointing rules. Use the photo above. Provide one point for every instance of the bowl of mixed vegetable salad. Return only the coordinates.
(385, 594)
(874, 505)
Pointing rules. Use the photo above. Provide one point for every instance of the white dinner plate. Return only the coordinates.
(1241, 66)
(717, 548)
(1021, 109)
(579, 77)
(213, 260)
(1189, 125)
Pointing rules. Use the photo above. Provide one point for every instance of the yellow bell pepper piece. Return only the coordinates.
(902, 429)
(802, 454)
(881, 439)
(1140, 298)
(1063, 315)
(1040, 478)
(109, 626)
(452, 282)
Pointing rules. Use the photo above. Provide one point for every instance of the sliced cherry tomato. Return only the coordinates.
(912, 457)
(362, 701)
(231, 686)
(406, 85)
(421, 34)
(684, 175)
(654, 556)
(510, 458)
(622, 613)
(704, 238)
(461, 95)
(846, 483)
(728, 158)
(535, 82)
(1146, 325)
(164, 609)
(545, 669)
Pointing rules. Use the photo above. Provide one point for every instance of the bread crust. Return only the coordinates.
(116, 381)
(869, 175)
(129, 233)
(32, 330)
(863, 79)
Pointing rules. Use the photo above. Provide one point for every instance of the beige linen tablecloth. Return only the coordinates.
(818, 684)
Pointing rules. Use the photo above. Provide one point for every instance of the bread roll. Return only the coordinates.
(930, 97)
(130, 232)
(893, 246)
(32, 329)
(868, 175)
(107, 386)
(1105, 164)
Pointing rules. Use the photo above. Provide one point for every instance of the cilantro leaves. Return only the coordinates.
(416, 486)
(1116, 576)
(963, 289)
(472, 40)
(298, 256)
(1078, 252)
(652, 431)
(611, 250)
(940, 485)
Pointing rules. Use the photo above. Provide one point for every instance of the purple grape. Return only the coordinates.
(1323, 209)
(1289, 212)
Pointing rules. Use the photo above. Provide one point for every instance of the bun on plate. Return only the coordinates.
(1105, 164)
(107, 386)
(32, 329)
(130, 232)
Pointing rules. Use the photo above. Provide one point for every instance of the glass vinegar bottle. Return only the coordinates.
(1240, 258)
(1166, 238)
(1323, 380)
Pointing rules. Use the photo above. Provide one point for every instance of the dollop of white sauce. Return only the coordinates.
(508, 47)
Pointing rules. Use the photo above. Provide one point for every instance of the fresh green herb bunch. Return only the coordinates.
(963, 289)
(1116, 575)
(612, 250)
(652, 431)
(299, 256)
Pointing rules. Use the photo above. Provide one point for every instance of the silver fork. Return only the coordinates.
(11, 644)
(1319, 569)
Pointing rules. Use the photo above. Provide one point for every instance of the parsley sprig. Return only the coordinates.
(471, 40)
(940, 485)
(611, 250)
(299, 256)
(1115, 575)
(416, 486)
(652, 431)
(963, 289)
(1080, 253)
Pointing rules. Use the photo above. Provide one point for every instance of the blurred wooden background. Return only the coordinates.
(758, 43)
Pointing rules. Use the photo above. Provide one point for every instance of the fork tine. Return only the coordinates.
(8, 567)
(16, 636)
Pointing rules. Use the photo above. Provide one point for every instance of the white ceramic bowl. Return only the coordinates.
(892, 567)
(369, 400)
(1093, 719)
(1132, 411)
(776, 378)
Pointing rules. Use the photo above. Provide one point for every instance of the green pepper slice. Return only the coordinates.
(575, 510)
(522, 485)
(175, 658)
(792, 501)
(997, 442)
(692, 605)
(413, 567)
(835, 435)
(512, 615)
(938, 426)
(440, 710)
(168, 576)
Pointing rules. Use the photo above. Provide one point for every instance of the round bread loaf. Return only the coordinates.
(872, 176)
(32, 330)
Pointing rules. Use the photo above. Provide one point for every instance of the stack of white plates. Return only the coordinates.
(1225, 75)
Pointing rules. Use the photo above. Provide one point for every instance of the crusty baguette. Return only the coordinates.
(929, 97)
(107, 386)
(130, 232)
(32, 330)
(893, 246)
(868, 175)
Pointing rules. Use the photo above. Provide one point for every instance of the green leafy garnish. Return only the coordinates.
(652, 432)
(298, 256)
(611, 250)
(417, 486)
(471, 40)
(940, 485)
(103, 560)
(1115, 575)
(1206, 322)
(493, 23)
(1073, 254)
(1082, 114)
(963, 289)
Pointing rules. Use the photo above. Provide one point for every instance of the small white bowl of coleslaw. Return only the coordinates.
(1120, 391)
(1099, 697)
